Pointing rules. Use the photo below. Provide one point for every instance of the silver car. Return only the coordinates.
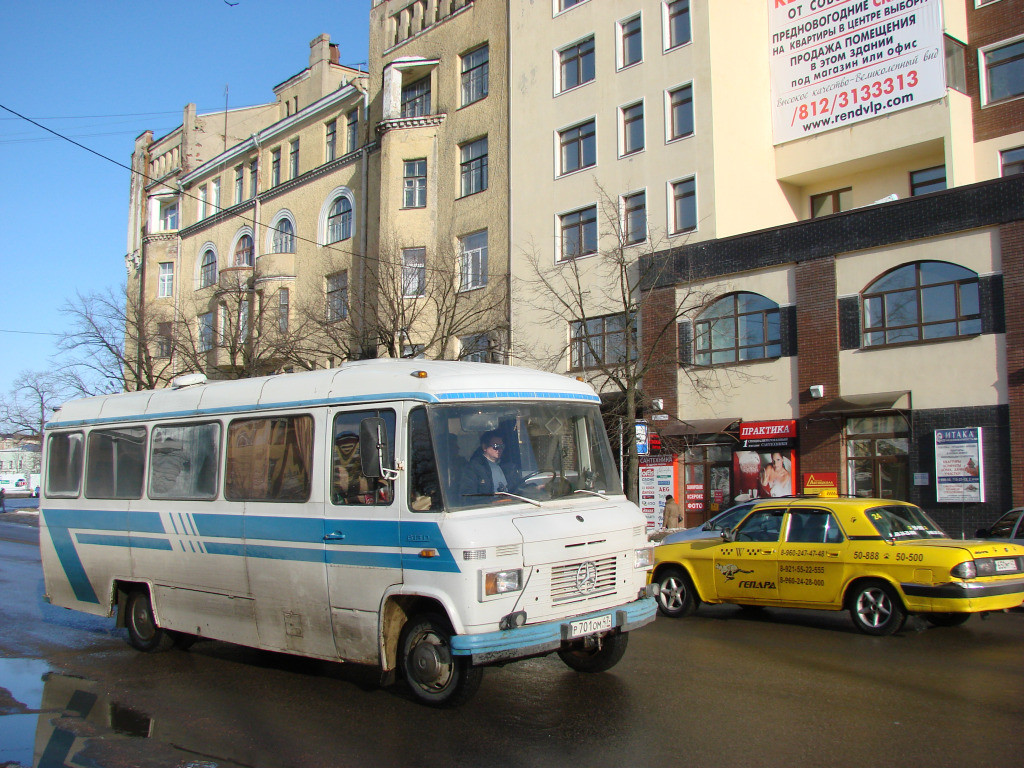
(1009, 526)
(712, 529)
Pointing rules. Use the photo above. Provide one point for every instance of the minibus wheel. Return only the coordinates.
(436, 676)
(143, 633)
(595, 654)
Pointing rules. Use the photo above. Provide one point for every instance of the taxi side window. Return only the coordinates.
(814, 527)
(761, 526)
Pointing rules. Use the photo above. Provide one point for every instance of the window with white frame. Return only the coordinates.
(677, 23)
(634, 218)
(168, 215)
(1003, 71)
(578, 233)
(208, 269)
(564, 5)
(165, 284)
(576, 64)
(339, 220)
(602, 341)
(632, 118)
(414, 272)
(475, 73)
(254, 177)
(330, 140)
(337, 296)
(205, 329)
(215, 196)
(416, 98)
(630, 42)
(352, 128)
(684, 205)
(275, 167)
(293, 159)
(284, 237)
(577, 147)
(473, 261)
(473, 166)
(283, 300)
(202, 212)
(414, 190)
(680, 112)
(244, 251)
(239, 183)
(1011, 161)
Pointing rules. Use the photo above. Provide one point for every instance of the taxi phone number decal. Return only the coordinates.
(802, 568)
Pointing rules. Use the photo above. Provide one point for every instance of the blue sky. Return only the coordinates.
(101, 73)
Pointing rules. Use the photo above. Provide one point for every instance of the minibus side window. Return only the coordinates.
(183, 461)
(424, 485)
(114, 463)
(348, 484)
(64, 464)
(269, 459)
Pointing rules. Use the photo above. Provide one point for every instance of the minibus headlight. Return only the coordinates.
(965, 570)
(643, 557)
(499, 582)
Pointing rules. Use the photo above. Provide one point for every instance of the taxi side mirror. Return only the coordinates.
(728, 535)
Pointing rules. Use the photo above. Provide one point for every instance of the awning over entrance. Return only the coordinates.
(696, 427)
(876, 401)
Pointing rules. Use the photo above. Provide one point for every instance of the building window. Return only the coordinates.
(331, 141)
(414, 193)
(473, 261)
(956, 64)
(215, 196)
(475, 66)
(239, 183)
(352, 128)
(736, 328)
(578, 233)
(1012, 161)
(163, 340)
(293, 159)
(877, 451)
(473, 166)
(275, 167)
(254, 178)
(632, 128)
(831, 202)
(475, 348)
(337, 296)
(677, 22)
(927, 180)
(680, 110)
(578, 147)
(244, 251)
(630, 42)
(208, 269)
(1003, 69)
(413, 351)
(602, 341)
(414, 272)
(339, 221)
(924, 300)
(206, 321)
(284, 237)
(684, 206)
(283, 299)
(165, 285)
(416, 98)
(634, 215)
(169, 216)
(202, 202)
(576, 64)
(564, 5)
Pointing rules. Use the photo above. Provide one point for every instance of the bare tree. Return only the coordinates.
(601, 301)
(24, 410)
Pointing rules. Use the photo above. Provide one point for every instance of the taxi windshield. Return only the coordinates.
(904, 521)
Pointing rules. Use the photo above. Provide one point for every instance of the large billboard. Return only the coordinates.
(837, 62)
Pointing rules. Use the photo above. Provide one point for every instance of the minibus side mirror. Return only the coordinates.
(373, 446)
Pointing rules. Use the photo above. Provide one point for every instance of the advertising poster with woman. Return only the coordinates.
(764, 465)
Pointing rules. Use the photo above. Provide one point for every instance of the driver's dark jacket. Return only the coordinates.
(477, 477)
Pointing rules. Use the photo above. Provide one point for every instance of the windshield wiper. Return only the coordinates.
(506, 493)
(592, 493)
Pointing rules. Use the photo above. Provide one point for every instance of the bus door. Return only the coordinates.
(361, 534)
(270, 467)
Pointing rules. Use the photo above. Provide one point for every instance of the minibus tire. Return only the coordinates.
(435, 676)
(593, 655)
(143, 633)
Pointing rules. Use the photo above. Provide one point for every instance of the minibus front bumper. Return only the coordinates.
(539, 639)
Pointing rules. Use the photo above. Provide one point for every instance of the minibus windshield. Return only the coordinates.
(488, 453)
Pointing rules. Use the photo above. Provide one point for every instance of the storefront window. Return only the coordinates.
(708, 482)
(877, 448)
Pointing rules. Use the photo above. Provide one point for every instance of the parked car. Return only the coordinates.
(1009, 526)
(713, 528)
(877, 558)
(15, 485)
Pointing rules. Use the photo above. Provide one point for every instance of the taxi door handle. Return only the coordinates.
(832, 554)
(336, 536)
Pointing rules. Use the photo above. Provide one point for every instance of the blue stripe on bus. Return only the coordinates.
(115, 540)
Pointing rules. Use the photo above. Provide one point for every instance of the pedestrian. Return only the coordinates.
(673, 513)
(3, 499)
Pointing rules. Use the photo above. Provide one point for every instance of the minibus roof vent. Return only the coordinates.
(188, 380)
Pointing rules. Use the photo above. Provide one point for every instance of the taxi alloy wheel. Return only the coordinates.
(876, 609)
(676, 596)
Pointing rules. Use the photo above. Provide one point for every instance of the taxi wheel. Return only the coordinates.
(876, 609)
(595, 654)
(947, 619)
(677, 597)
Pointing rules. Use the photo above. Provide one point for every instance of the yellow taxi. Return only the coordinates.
(878, 558)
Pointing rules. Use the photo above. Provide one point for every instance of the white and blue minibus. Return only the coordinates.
(431, 518)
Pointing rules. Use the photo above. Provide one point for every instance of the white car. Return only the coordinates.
(15, 485)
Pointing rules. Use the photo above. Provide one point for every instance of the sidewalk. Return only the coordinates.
(23, 516)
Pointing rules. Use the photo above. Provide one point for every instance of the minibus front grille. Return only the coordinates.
(566, 581)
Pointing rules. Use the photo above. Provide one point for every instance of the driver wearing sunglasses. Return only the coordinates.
(489, 470)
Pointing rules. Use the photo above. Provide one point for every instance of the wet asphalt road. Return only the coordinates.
(724, 688)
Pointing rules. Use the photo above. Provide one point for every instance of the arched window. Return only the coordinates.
(738, 327)
(339, 221)
(208, 269)
(243, 251)
(919, 301)
(284, 237)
